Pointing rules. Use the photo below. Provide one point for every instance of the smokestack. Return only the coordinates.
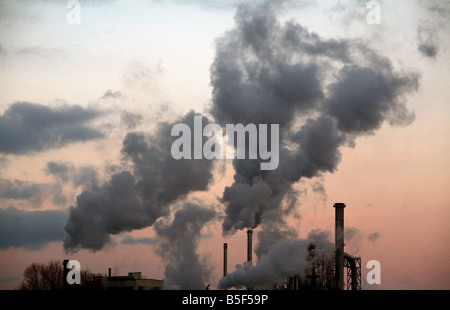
(225, 256)
(339, 244)
(249, 245)
(109, 272)
(65, 272)
(249, 249)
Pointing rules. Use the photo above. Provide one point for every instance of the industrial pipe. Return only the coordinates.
(339, 244)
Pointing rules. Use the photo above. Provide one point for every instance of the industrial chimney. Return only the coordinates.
(65, 272)
(339, 244)
(249, 245)
(225, 258)
(249, 249)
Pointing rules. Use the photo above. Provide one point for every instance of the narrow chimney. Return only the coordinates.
(339, 244)
(109, 272)
(225, 257)
(249, 249)
(65, 272)
(249, 245)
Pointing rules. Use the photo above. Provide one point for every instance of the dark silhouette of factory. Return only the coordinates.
(342, 259)
(132, 281)
(322, 274)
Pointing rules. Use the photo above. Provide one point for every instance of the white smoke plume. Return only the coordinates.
(177, 245)
(286, 258)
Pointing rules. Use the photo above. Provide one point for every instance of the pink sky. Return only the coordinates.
(394, 183)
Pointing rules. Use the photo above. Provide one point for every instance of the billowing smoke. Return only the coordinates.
(136, 199)
(323, 93)
(177, 245)
(286, 258)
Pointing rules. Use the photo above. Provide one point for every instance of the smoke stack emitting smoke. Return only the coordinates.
(268, 73)
(322, 93)
(225, 259)
(339, 244)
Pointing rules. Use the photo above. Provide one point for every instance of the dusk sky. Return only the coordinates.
(86, 108)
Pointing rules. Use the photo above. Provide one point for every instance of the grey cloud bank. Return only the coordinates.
(30, 229)
(28, 127)
(272, 73)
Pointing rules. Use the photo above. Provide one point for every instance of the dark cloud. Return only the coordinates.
(323, 93)
(254, 77)
(110, 209)
(27, 127)
(428, 50)
(30, 229)
(136, 199)
(363, 98)
(85, 175)
(319, 142)
(61, 171)
(18, 189)
(162, 179)
(33, 193)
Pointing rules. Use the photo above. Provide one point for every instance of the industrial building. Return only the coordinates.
(342, 259)
(342, 272)
(133, 281)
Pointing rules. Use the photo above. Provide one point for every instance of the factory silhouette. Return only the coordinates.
(342, 271)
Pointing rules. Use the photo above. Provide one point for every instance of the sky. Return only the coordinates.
(87, 105)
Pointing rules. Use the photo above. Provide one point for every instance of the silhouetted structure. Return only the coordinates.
(339, 244)
(133, 281)
(249, 249)
(225, 259)
(325, 272)
(353, 265)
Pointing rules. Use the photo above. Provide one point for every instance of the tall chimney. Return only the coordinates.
(249, 245)
(249, 249)
(339, 244)
(225, 258)
(65, 272)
